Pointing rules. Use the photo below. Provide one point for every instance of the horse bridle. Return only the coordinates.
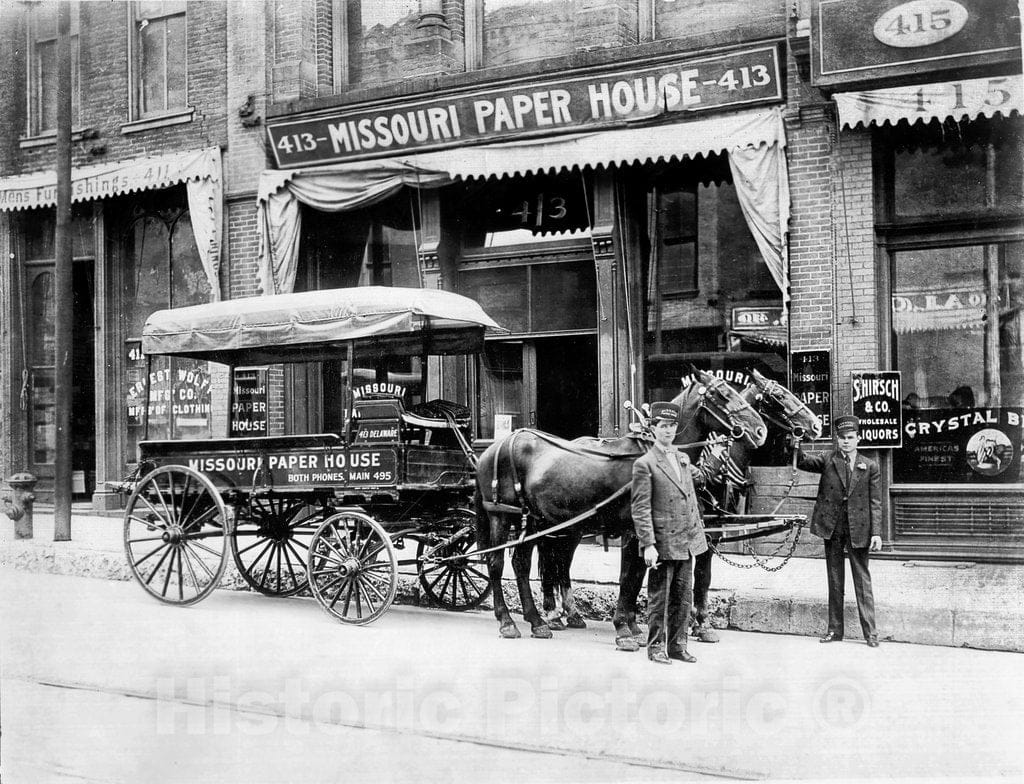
(724, 415)
(788, 413)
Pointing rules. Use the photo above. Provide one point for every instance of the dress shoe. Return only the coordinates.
(872, 642)
(683, 656)
(831, 637)
(658, 656)
(627, 643)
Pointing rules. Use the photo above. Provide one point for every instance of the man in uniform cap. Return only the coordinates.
(847, 515)
(670, 530)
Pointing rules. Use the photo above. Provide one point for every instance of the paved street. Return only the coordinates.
(101, 683)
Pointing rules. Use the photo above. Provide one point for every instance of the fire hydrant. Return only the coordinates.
(18, 504)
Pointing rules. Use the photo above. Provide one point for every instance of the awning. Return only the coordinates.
(200, 170)
(754, 140)
(957, 100)
(102, 180)
(316, 325)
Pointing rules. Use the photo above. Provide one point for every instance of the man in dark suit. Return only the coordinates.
(670, 531)
(847, 515)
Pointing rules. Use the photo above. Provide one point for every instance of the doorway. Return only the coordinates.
(548, 383)
(42, 430)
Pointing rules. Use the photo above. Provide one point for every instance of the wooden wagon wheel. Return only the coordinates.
(459, 584)
(353, 570)
(176, 535)
(270, 543)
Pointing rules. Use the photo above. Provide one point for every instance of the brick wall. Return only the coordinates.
(294, 49)
(105, 91)
(856, 275)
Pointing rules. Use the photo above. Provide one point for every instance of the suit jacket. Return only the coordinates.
(862, 499)
(665, 509)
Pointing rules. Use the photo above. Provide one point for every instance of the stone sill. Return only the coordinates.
(164, 120)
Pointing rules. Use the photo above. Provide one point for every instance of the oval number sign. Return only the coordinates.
(920, 23)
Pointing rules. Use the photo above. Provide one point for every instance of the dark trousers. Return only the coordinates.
(671, 586)
(834, 562)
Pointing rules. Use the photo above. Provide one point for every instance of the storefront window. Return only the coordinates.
(957, 324)
(163, 270)
(706, 275)
(983, 159)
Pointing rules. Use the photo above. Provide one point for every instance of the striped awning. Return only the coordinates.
(957, 100)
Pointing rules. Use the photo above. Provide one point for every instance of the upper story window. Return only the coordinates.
(42, 51)
(159, 57)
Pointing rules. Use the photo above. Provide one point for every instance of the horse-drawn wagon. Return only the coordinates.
(327, 510)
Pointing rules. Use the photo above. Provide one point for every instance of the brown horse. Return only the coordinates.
(787, 416)
(538, 480)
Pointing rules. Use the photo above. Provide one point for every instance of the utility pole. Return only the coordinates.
(63, 291)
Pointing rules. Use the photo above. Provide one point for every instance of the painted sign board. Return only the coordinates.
(249, 414)
(298, 467)
(876, 401)
(811, 381)
(976, 445)
(865, 41)
(604, 98)
(757, 318)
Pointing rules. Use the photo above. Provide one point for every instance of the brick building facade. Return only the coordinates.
(650, 269)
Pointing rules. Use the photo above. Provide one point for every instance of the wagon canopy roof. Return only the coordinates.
(316, 325)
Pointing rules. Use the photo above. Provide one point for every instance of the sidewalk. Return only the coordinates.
(933, 603)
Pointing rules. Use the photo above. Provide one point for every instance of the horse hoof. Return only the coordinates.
(706, 635)
(576, 622)
(510, 632)
(628, 644)
(541, 632)
(556, 625)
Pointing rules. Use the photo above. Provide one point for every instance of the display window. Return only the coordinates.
(162, 270)
(956, 269)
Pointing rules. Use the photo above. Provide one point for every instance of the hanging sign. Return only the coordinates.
(960, 445)
(606, 98)
(249, 416)
(811, 381)
(876, 402)
(758, 318)
(874, 39)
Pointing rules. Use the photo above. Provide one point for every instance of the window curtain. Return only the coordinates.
(357, 185)
(761, 178)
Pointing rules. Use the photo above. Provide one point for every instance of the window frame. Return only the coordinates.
(33, 75)
(136, 72)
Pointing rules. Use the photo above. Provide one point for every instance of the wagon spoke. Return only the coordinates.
(162, 523)
(199, 560)
(158, 565)
(188, 562)
(193, 541)
(170, 570)
(359, 594)
(163, 502)
(288, 562)
(150, 554)
(369, 601)
(370, 586)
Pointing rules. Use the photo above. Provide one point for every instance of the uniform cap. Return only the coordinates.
(665, 412)
(846, 424)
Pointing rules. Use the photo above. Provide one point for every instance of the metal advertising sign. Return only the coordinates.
(955, 445)
(876, 402)
(874, 39)
(811, 381)
(559, 105)
(249, 415)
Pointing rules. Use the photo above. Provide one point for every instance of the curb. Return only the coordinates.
(753, 611)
